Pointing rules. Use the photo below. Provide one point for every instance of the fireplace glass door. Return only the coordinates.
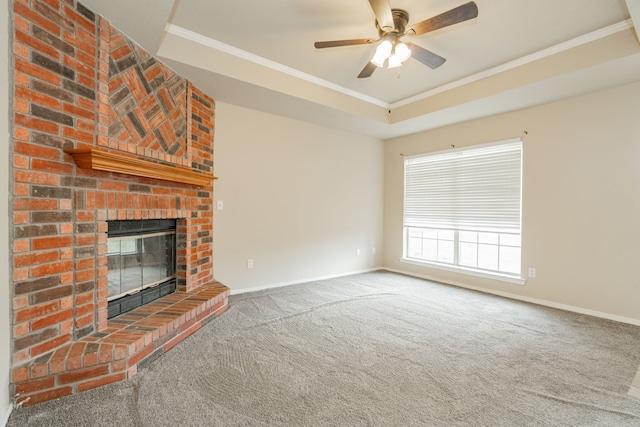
(139, 261)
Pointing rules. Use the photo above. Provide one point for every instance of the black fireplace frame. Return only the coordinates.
(124, 228)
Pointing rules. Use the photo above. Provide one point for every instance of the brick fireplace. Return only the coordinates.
(102, 131)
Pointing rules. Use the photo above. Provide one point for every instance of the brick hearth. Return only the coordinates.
(79, 84)
(129, 343)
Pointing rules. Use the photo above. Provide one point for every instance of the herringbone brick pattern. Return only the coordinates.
(147, 99)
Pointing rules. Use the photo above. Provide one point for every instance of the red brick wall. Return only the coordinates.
(62, 99)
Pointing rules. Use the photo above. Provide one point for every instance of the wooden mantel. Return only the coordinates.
(90, 158)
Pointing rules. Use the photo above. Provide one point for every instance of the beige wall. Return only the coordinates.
(581, 200)
(5, 291)
(299, 199)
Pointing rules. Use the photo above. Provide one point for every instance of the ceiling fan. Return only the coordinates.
(392, 27)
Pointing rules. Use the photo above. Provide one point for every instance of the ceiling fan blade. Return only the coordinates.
(425, 56)
(337, 43)
(382, 10)
(459, 14)
(367, 70)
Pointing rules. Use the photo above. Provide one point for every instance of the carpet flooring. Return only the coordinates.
(375, 349)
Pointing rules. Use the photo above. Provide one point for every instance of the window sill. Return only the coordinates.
(486, 275)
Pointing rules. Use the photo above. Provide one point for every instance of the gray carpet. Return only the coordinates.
(376, 349)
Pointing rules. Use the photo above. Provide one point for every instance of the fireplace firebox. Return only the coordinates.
(141, 260)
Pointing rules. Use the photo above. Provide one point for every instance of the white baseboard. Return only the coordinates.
(295, 282)
(7, 413)
(545, 303)
(634, 390)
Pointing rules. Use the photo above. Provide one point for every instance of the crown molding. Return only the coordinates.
(242, 54)
(248, 56)
(578, 41)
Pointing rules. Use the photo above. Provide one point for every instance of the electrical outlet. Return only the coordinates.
(532, 272)
(249, 263)
(373, 250)
(358, 252)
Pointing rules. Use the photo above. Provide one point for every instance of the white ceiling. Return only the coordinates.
(260, 54)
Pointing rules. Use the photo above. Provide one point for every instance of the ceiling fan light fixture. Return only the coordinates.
(383, 52)
(394, 61)
(392, 27)
(402, 51)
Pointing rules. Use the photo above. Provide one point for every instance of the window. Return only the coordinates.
(462, 208)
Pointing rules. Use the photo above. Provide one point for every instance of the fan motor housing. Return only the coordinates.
(400, 20)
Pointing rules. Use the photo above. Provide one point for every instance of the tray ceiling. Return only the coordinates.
(260, 55)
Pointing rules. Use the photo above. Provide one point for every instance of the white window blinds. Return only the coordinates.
(474, 188)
